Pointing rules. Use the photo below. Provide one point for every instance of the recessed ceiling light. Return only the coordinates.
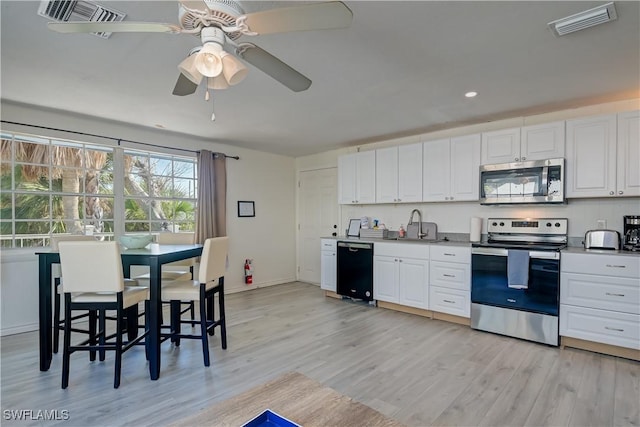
(470, 94)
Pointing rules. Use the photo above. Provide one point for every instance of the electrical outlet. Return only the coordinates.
(602, 223)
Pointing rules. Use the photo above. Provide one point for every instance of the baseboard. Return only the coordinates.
(452, 318)
(406, 309)
(30, 327)
(332, 294)
(257, 285)
(627, 353)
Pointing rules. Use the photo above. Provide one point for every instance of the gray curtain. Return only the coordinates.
(211, 217)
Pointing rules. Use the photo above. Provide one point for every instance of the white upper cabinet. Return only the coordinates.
(399, 174)
(591, 156)
(357, 178)
(628, 178)
(540, 142)
(451, 169)
(537, 142)
(501, 146)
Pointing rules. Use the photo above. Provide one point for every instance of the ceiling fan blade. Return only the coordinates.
(114, 27)
(318, 16)
(272, 66)
(184, 86)
(195, 5)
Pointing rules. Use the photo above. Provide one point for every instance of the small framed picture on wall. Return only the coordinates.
(246, 208)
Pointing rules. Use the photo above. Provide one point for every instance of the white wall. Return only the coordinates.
(267, 179)
(455, 217)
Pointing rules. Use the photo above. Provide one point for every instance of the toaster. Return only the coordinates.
(602, 239)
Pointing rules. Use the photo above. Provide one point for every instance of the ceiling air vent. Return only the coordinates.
(580, 21)
(79, 11)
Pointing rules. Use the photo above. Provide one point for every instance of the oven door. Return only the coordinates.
(489, 281)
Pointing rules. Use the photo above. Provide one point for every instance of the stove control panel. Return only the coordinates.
(556, 226)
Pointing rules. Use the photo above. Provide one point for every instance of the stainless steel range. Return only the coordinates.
(515, 278)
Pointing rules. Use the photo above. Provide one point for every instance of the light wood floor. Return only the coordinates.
(415, 370)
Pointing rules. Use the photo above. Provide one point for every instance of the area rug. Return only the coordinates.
(295, 397)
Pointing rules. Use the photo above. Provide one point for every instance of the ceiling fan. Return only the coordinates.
(219, 24)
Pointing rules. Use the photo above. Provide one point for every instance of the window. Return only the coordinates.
(53, 186)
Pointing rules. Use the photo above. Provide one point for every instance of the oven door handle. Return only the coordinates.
(504, 252)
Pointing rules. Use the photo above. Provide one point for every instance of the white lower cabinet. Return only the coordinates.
(600, 298)
(450, 280)
(328, 264)
(401, 274)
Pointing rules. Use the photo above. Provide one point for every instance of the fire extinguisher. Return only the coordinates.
(248, 272)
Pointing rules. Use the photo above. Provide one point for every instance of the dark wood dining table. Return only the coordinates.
(154, 257)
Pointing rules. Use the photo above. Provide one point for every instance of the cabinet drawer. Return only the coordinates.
(328, 244)
(450, 275)
(607, 265)
(603, 292)
(399, 250)
(450, 253)
(451, 301)
(608, 327)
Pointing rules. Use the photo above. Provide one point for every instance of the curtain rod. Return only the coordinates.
(118, 140)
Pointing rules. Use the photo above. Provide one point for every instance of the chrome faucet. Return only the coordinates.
(420, 233)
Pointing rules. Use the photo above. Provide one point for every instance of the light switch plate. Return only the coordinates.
(602, 224)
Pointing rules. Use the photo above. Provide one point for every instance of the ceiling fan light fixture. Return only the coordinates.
(209, 61)
(217, 83)
(234, 71)
(188, 68)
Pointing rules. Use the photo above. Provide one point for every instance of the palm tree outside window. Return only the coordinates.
(53, 186)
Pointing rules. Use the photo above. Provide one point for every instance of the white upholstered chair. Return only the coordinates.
(58, 324)
(93, 280)
(210, 282)
(179, 270)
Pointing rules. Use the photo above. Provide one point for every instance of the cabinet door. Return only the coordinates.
(385, 278)
(409, 173)
(366, 177)
(387, 175)
(465, 168)
(347, 179)
(436, 171)
(502, 146)
(328, 271)
(540, 142)
(413, 279)
(628, 181)
(591, 157)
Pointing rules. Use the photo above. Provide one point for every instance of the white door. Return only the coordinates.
(501, 146)
(628, 182)
(465, 168)
(347, 179)
(318, 216)
(410, 174)
(366, 177)
(540, 142)
(387, 175)
(436, 172)
(329, 270)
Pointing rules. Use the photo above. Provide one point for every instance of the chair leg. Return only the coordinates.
(102, 333)
(132, 322)
(223, 321)
(118, 362)
(93, 319)
(66, 346)
(203, 329)
(211, 312)
(56, 317)
(146, 328)
(193, 311)
(175, 324)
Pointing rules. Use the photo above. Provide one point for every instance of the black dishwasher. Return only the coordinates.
(355, 270)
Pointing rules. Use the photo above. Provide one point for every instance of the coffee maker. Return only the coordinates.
(631, 233)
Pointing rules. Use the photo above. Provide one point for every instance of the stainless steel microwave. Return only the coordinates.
(537, 181)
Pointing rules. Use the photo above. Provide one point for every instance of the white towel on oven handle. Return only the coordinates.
(518, 269)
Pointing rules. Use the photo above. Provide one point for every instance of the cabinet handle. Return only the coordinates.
(399, 200)
(614, 295)
(516, 159)
(611, 193)
(451, 198)
(396, 260)
(446, 198)
(523, 158)
(616, 266)
(614, 329)
(448, 254)
(449, 275)
(449, 301)
(399, 260)
(620, 192)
